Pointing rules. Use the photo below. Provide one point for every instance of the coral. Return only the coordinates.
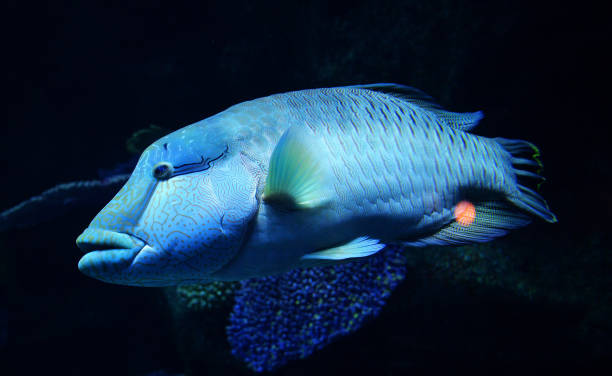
(206, 296)
(60, 199)
(64, 197)
(280, 318)
(119, 169)
(486, 265)
(569, 272)
(142, 138)
(200, 313)
(483, 264)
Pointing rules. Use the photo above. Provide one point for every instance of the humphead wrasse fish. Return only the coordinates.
(309, 178)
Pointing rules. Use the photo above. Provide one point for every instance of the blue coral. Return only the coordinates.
(59, 200)
(67, 196)
(280, 318)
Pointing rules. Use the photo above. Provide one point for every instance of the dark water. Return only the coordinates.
(82, 78)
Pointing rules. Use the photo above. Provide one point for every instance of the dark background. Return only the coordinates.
(81, 77)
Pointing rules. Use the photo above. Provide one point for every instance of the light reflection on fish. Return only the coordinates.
(309, 178)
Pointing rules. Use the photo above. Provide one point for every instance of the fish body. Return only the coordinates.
(309, 178)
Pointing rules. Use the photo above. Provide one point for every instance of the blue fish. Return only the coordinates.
(309, 178)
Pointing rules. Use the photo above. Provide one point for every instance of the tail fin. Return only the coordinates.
(492, 218)
(524, 155)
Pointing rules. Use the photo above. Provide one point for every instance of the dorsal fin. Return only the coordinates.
(463, 121)
(407, 93)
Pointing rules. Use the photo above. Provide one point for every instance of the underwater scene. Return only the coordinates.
(306, 187)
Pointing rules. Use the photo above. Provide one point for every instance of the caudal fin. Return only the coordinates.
(527, 166)
(481, 221)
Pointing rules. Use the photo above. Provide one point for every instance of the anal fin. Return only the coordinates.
(487, 221)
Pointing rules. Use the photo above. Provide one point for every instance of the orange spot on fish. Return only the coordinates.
(465, 213)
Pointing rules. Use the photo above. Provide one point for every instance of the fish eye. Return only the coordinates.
(162, 171)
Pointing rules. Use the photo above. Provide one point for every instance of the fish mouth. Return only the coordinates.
(93, 239)
(107, 252)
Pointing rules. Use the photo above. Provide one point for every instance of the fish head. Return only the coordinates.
(182, 215)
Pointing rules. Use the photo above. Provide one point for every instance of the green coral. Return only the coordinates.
(481, 264)
(200, 314)
(489, 265)
(206, 296)
(562, 271)
(142, 138)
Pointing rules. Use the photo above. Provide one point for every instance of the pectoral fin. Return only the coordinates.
(297, 174)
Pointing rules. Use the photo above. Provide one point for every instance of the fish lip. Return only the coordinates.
(105, 265)
(95, 239)
(108, 254)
